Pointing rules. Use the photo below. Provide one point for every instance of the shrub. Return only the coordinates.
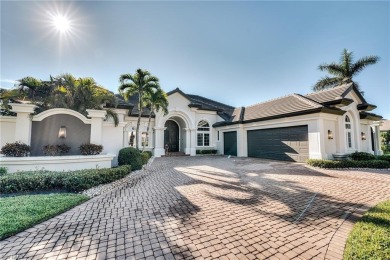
(130, 156)
(362, 156)
(377, 164)
(149, 153)
(145, 157)
(53, 150)
(17, 149)
(71, 181)
(91, 149)
(385, 157)
(3, 171)
(206, 151)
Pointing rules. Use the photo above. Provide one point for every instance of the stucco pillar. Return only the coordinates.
(159, 141)
(242, 149)
(193, 142)
(23, 122)
(316, 139)
(377, 143)
(97, 117)
(188, 141)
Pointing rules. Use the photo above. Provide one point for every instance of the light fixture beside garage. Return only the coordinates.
(363, 136)
(330, 135)
(62, 132)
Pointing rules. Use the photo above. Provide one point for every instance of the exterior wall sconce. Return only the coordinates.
(330, 135)
(363, 136)
(62, 132)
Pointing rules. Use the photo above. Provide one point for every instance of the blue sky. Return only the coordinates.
(239, 53)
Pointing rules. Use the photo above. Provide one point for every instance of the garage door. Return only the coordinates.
(287, 144)
(230, 143)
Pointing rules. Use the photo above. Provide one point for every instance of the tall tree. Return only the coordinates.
(29, 85)
(141, 82)
(344, 71)
(155, 100)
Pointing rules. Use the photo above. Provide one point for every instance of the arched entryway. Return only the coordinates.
(172, 136)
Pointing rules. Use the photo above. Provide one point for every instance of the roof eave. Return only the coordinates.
(306, 112)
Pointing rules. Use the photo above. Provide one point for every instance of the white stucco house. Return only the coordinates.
(294, 127)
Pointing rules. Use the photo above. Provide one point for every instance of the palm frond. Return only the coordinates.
(112, 114)
(362, 63)
(326, 82)
(332, 68)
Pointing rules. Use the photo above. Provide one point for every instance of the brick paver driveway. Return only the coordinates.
(212, 208)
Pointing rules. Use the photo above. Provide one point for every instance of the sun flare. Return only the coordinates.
(61, 23)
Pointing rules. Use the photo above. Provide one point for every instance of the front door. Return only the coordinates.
(171, 136)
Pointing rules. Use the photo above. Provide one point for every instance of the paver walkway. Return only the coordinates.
(212, 208)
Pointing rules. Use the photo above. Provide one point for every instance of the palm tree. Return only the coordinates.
(155, 100)
(344, 71)
(139, 83)
(29, 84)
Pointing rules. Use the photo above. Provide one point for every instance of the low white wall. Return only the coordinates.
(56, 163)
(7, 130)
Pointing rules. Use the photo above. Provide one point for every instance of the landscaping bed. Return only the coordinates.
(18, 213)
(73, 181)
(355, 160)
(370, 237)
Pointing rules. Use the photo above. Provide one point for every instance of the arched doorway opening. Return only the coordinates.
(172, 136)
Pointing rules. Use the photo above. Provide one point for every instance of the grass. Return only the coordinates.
(370, 237)
(18, 213)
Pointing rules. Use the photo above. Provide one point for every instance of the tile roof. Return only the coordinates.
(330, 94)
(280, 106)
(289, 105)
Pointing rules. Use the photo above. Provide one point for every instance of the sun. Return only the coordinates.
(61, 23)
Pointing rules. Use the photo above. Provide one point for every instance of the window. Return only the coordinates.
(203, 133)
(348, 128)
(145, 139)
(218, 135)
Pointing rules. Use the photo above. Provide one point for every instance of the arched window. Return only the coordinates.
(348, 128)
(203, 133)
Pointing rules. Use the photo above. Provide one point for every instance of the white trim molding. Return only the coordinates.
(61, 111)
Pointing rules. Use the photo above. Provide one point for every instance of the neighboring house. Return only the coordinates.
(294, 127)
(385, 126)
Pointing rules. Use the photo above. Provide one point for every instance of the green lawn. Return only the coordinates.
(18, 213)
(370, 237)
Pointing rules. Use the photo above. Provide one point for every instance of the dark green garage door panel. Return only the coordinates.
(287, 143)
(230, 143)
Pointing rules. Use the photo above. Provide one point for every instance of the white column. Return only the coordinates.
(159, 141)
(193, 142)
(97, 117)
(242, 149)
(23, 122)
(316, 139)
(188, 141)
(377, 142)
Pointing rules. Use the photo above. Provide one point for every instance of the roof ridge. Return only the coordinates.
(329, 89)
(192, 95)
(307, 100)
(269, 100)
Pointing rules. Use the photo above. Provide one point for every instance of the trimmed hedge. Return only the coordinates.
(3, 171)
(17, 149)
(362, 156)
(206, 151)
(376, 164)
(145, 157)
(385, 157)
(90, 149)
(130, 156)
(70, 181)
